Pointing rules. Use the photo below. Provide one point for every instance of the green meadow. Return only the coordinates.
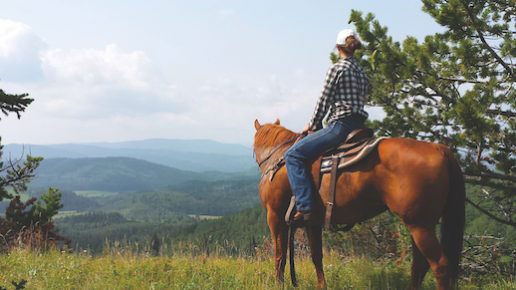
(62, 270)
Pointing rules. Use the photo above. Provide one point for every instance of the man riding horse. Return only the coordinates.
(343, 96)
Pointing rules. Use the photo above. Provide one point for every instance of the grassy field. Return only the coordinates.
(55, 270)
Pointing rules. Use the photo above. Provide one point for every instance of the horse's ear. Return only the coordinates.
(276, 122)
(257, 124)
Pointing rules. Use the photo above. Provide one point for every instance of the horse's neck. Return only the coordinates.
(277, 150)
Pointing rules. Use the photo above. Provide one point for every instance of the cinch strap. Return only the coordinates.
(333, 186)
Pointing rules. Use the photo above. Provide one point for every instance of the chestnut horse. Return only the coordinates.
(418, 181)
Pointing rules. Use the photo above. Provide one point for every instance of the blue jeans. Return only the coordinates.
(301, 155)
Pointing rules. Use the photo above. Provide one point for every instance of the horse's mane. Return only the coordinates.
(270, 135)
(266, 140)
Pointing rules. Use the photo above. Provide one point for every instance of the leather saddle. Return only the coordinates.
(358, 145)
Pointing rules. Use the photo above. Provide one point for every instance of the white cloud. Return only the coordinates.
(99, 83)
(82, 84)
(110, 66)
(20, 50)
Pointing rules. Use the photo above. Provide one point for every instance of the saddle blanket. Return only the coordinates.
(349, 157)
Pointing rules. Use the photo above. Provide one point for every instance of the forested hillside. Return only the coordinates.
(107, 174)
(209, 198)
(235, 232)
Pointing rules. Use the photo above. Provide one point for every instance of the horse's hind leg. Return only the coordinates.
(315, 239)
(419, 267)
(426, 241)
(279, 234)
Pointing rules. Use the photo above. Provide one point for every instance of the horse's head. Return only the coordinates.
(264, 133)
(268, 136)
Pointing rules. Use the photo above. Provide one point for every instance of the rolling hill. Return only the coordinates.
(109, 174)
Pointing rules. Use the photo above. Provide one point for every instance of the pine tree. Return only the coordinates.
(30, 222)
(14, 174)
(456, 87)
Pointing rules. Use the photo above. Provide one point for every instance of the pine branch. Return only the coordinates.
(510, 223)
(492, 175)
(10, 103)
(510, 114)
(462, 80)
(484, 42)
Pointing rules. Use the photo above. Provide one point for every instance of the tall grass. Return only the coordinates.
(62, 270)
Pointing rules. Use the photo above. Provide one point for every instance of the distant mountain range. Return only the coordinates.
(192, 155)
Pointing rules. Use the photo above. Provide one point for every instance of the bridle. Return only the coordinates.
(291, 140)
(278, 164)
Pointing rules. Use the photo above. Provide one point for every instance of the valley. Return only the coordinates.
(115, 197)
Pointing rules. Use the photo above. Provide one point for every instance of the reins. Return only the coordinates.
(291, 140)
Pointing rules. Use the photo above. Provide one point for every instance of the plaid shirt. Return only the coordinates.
(343, 94)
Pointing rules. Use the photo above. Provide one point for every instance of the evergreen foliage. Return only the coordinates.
(26, 223)
(13, 103)
(15, 174)
(38, 213)
(30, 223)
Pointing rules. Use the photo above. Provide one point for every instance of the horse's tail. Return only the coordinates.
(452, 227)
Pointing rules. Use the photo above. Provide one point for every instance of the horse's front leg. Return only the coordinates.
(315, 239)
(279, 236)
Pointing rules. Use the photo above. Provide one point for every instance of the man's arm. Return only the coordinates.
(324, 100)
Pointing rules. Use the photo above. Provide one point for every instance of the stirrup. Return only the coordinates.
(290, 211)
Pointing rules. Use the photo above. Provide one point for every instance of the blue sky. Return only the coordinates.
(125, 70)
